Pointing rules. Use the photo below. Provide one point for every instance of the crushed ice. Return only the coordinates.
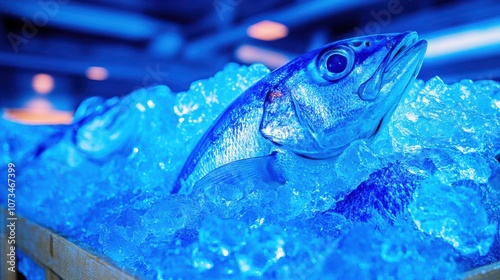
(423, 199)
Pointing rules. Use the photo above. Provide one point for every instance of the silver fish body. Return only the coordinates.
(236, 136)
(314, 107)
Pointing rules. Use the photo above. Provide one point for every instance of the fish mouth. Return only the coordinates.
(404, 62)
(407, 48)
(403, 59)
(394, 76)
(400, 70)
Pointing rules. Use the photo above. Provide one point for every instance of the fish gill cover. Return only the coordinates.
(421, 201)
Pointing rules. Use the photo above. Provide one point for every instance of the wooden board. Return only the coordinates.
(59, 257)
(5, 273)
(487, 272)
(62, 259)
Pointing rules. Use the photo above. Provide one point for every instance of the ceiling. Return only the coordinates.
(145, 42)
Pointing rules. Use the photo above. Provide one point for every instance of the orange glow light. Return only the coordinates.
(267, 30)
(38, 111)
(97, 73)
(42, 83)
(27, 116)
(251, 54)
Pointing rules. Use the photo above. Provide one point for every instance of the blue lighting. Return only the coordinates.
(339, 158)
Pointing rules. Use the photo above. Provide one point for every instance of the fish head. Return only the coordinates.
(344, 91)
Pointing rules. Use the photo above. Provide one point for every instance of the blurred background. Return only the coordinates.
(55, 53)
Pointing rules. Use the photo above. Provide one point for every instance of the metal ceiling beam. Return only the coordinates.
(432, 22)
(295, 15)
(432, 19)
(86, 18)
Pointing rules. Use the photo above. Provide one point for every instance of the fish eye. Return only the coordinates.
(335, 64)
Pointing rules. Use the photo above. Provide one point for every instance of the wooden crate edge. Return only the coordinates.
(487, 272)
(61, 256)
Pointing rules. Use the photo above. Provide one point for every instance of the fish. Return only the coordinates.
(100, 128)
(312, 107)
(105, 127)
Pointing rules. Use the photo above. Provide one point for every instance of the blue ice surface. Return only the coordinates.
(424, 200)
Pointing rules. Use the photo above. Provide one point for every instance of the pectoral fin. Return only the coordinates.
(243, 172)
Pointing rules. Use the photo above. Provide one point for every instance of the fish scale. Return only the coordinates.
(308, 107)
